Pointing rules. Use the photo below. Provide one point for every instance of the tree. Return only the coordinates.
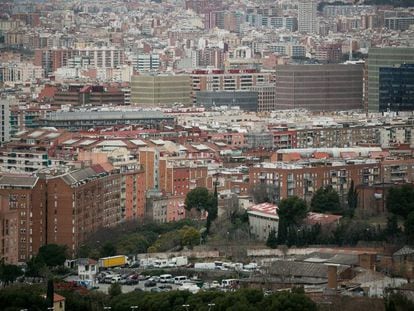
(200, 199)
(190, 236)
(108, 249)
(325, 200)
(291, 213)
(352, 197)
(53, 255)
(409, 226)
(9, 273)
(115, 290)
(400, 200)
(50, 293)
(292, 210)
(272, 239)
(36, 267)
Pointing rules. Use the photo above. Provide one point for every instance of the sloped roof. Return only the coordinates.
(18, 181)
(406, 250)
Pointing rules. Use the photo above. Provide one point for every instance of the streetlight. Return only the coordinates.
(50, 308)
(107, 308)
(134, 307)
(186, 307)
(210, 305)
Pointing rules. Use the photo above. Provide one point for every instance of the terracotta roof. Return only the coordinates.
(265, 208)
(57, 298)
(323, 219)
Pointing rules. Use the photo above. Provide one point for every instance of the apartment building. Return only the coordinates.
(5, 123)
(303, 179)
(23, 216)
(79, 203)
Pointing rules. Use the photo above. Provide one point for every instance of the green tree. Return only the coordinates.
(409, 226)
(201, 199)
(18, 297)
(198, 198)
(190, 236)
(272, 239)
(108, 249)
(53, 255)
(50, 293)
(400, 200)
(36, 267)
(9, 273)
(114, 290)
(325, 200)
(292, 210)
(352, 197)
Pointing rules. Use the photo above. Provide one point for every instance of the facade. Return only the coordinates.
(307, 19)
(85, 120)
(23, 210)
(319, 87)
(384, 57)
(52, 59)
(263, 219)
(79, 203)
(266, 97)
(396, 85)
(230, 80)
(89, 95)
(246, 100)
(282, 180)
(148, 62)
(158, 90)
(5, 121)
(87, 269)
(399, 23)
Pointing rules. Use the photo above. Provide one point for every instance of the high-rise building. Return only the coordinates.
(384, 57)
(307, 20)
(319, 87)
(148, 62)
(396, 88)
(156, 90)
(5, 121)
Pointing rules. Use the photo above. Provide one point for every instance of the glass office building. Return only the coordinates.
(396, 88)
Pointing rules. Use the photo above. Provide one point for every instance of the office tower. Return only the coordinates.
(384, 57)
(156, 90)
(319, 87)
(396, 85)
(307, 20)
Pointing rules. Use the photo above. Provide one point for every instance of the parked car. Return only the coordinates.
(155, 278)
(156, 290)
(150, 283)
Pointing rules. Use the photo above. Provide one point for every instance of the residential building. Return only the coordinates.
(79, 203)
(307, 18)
(89, 95)
(23, 215)
(5, 121)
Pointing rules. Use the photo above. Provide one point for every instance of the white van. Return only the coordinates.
(166, 278)
(179, 280)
